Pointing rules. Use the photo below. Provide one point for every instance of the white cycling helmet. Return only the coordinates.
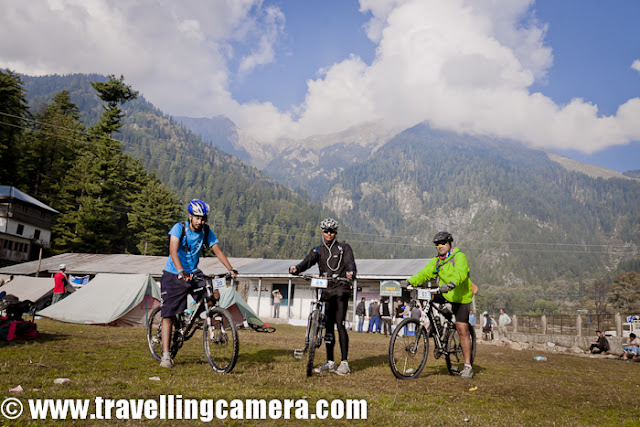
(62, 267)
(329, 224)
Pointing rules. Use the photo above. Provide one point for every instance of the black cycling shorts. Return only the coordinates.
(461, 310)
(174, 293)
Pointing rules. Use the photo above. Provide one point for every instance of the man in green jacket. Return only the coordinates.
(452, 270)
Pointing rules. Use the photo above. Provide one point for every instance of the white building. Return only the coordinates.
(25, 223)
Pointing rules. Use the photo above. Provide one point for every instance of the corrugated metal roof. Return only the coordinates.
(13, 192)
(82, 264)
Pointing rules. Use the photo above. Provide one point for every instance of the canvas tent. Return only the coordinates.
(38, 290)
(109, 299)
(237, 306)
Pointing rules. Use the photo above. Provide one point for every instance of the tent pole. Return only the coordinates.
(39, 262)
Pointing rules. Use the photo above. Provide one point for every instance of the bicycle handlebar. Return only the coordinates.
(317, 276)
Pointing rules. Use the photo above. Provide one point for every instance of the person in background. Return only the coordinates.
(487, 327)
(277, 296)
(386, 317)
(503, 321)
(400, 312)
(361, 312)
(600, 344)
(60, 283)
(472, 318)
(632, 348)
(374, 317)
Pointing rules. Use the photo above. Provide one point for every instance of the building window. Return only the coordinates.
(20, 229)
(36, 234)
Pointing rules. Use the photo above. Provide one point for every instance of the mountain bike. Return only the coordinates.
(409, 345)
(315, 323)
(219, 331)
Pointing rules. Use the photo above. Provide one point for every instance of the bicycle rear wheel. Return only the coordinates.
(408, 349)
(154, 333)
(314, 331)
(454, 356)
(220, 341)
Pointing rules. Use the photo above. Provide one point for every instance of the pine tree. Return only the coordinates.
(13, 109)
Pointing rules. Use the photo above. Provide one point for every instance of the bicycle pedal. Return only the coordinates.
(297, 353)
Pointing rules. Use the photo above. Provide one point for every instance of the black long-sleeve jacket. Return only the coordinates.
(340, 260)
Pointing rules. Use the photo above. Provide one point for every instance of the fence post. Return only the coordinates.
(514, 323)
(543, 324)
(579, 325)
(618, 324)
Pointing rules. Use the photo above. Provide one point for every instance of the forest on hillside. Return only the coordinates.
(120, 172)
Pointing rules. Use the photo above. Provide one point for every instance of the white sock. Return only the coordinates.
(166, 355)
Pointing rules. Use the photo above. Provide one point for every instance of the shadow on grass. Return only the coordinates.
(42, 338)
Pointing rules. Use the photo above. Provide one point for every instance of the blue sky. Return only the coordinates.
(555, 74)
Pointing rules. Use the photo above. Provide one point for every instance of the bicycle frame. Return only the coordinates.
(187, 326)
(429, 310)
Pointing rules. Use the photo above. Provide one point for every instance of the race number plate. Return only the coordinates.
(424, 294)
(319, 283)
(219, 283)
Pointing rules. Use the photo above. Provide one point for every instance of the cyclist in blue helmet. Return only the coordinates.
(181, 272)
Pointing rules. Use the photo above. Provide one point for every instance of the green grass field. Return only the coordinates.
(509, 389)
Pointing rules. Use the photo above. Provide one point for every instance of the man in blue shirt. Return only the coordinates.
(180, 274)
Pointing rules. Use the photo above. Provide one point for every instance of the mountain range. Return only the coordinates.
(527, 218)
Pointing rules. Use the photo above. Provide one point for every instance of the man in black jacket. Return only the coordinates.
(361, 312)
(334, 259)
(600, 345)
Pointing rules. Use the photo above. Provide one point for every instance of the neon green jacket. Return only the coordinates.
(452, 269)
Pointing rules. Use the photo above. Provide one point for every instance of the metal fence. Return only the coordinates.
(567, 324)
(602, 322)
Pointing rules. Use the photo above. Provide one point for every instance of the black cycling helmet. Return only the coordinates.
(443, 236)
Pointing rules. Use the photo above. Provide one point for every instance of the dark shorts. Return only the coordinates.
(174, 293)
(461, 310)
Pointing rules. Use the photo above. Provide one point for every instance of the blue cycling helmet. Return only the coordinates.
(198, 208)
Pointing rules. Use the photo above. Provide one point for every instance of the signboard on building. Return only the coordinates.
(390, 288)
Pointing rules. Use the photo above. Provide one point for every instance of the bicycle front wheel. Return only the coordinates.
(314, 332)
(408, 349)
(220, 341)
(154, 333)
(454, 355)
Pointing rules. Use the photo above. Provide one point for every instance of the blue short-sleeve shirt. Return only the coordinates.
(189, 248)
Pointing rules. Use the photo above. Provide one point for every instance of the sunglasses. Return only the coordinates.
(441, 243)
(329, 231)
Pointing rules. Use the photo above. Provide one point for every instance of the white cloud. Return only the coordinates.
(463, 65)
(273, 26)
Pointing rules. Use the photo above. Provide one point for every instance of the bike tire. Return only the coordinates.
(262, 328)
(220, 341)
(314, 331)
(454, 356)
(154, 333)
(408, 353)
